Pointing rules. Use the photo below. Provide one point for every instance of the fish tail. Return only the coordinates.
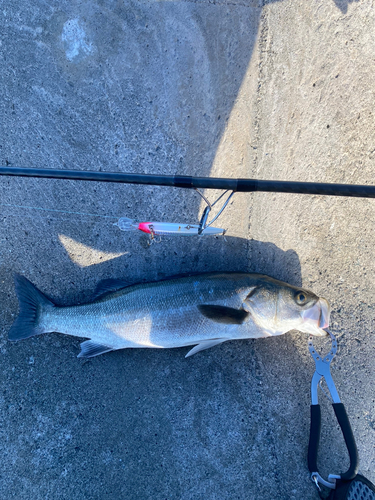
(31, 304)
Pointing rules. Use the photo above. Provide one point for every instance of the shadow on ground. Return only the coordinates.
(141, 423)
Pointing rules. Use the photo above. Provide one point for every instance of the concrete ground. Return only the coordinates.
(272, 90)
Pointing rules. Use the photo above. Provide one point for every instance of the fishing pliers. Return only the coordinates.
(322, 371)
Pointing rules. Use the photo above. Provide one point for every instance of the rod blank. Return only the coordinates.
(181, 181)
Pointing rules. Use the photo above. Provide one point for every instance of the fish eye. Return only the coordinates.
(301, 298)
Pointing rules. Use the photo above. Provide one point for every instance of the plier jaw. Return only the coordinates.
(322, 370)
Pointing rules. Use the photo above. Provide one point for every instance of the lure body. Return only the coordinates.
(166, 228)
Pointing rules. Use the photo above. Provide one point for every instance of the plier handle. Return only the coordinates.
(322, 371)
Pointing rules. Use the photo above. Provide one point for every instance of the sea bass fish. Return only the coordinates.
(201, 310)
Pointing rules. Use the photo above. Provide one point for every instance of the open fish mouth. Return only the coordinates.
(316, 318)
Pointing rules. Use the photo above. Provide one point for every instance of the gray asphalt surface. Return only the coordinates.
(281, 90)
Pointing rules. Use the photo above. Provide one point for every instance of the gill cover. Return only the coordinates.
(277, 308)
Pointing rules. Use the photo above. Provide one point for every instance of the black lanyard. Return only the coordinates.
(348, 485)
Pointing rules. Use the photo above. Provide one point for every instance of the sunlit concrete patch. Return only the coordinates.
(236, 153)
(233, 153)
(83, 255)
(75, 40)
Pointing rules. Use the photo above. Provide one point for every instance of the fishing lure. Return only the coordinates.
(172, 228)
(165, 228)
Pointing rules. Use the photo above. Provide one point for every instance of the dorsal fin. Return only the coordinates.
(107, 286)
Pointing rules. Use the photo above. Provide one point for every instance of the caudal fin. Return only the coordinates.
(31, 303)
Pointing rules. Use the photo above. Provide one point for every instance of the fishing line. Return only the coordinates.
(153, 228)
(203, 225)
(34, 218)
(55, 210)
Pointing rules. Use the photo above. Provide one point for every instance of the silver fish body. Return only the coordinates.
(201, 310)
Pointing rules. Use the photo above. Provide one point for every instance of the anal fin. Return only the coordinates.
(89, 349)
(206, 344)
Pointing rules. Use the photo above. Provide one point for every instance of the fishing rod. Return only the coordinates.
(190, 182)
(204, 228)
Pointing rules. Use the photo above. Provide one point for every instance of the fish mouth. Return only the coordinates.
(316, 319)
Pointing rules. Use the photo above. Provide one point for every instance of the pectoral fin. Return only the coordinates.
(89, 349)
(222, 314)
(206, 344)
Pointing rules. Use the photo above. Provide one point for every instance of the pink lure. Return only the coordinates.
(166, 228)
